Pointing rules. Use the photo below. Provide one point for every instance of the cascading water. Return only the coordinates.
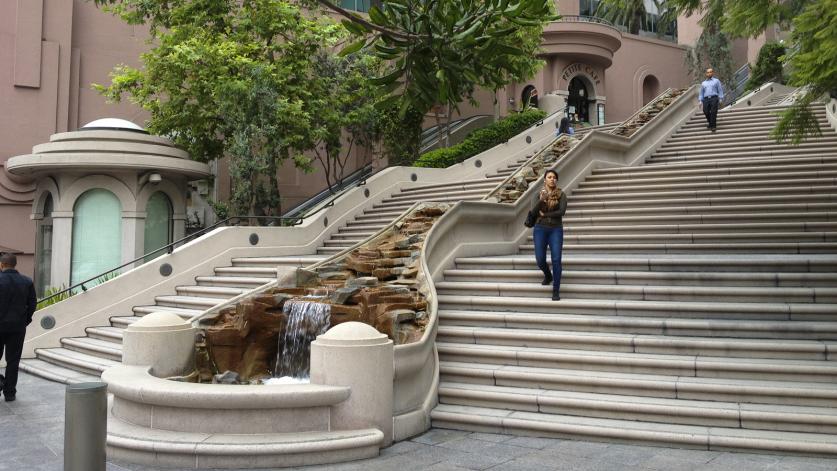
(306, 320)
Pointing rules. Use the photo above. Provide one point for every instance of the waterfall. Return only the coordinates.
(306, 320)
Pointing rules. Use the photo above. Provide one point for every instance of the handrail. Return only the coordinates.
(360, 175)
(585, 19)
(169, 248)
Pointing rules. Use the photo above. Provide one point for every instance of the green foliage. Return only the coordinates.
(401, 135)
(712, 50)
(768, 66)
(627, 13)
(813, 26)
(49, 301)
(481, 140)
(438, 52)
(230, 78)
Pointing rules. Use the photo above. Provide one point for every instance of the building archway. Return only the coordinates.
(43, 246)
(578, 100)
(530, 96)
(650, 89)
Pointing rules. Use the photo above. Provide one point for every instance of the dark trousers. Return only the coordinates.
(710, 110)
(12, 344)
(554, 238)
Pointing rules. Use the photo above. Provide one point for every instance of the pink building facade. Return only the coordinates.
(51, 51)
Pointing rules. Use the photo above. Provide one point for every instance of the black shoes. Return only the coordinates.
(8, 398)
(547, 279)
(556, 296)
(712, 129)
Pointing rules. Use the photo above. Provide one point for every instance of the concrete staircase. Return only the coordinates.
(699, 304)
(80, 359)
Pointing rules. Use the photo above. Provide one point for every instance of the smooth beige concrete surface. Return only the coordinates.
(831, 112)
(161, 340)
(760, 95)
(356, 355)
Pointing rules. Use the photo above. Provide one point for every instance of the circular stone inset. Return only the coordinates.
(166, 269)
(528, 139)
(414, 177)
(366, 192)
(478, 163)
(254, 239)
(325, 221)
(47, 322)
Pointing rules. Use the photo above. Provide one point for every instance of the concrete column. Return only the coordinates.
(133, 236)
(162, 340)
(356, 355)
(62, 248)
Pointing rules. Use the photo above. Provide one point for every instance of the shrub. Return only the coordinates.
(768, 67)
(481, 140)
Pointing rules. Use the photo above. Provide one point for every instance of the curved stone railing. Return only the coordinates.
(477, 228)
(141, 285)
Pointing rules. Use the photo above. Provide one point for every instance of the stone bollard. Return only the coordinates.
(162, 340)
(356, 355)
(85, 426)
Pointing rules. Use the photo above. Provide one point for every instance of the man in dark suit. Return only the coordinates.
(17, 304)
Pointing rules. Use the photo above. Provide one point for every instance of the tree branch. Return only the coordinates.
(360, 20)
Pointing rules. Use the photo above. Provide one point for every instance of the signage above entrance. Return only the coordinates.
(577, 67)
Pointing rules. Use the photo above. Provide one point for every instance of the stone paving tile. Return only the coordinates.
(32, 431)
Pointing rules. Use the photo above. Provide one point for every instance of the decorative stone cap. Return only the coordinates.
(352, 334)
(160, 321)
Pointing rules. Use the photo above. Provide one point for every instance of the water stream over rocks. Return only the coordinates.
(306, 320)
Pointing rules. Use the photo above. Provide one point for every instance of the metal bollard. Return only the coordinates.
(85, 426)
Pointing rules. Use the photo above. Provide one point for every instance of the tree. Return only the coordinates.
(439, 51)
(231, 78)
(346, 116)
(813, 40)
(768, 66)
(627, 13)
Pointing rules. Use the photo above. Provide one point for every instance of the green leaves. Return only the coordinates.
(440, 51)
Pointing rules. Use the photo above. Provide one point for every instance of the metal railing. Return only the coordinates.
(292, 218)
(585, 19)
(359, 176)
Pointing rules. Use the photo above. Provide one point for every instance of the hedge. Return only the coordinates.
(481, 140)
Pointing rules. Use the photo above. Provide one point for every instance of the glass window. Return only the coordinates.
(356, 5)
(43, 253)
(158, 224)
(600, 109)
(97, 235)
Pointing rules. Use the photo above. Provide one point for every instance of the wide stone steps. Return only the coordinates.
(677, 326)
(759, 131)
(642, 292)
(812, 312)
(185, 313)
(710, 179)
(777, 263)
(273, 262)
(93, 347)
(629, 431)
(57, 373)
(822, 151)
(699, 238)
(728, 126)
(685, 248)
(246, 272)
(787, 214)
(648, 278)
(188, 302)
(240, 282)
(769, 165)
(742, 140)
(827, 194)
(209, 292)
(690, 387)
(111, 333)
(772, 148)
(647, 409)
(82, 362)
(728, 228)
(542, 346)
(697, 191)
(756, 208)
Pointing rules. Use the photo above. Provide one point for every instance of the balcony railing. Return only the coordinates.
(585, 19)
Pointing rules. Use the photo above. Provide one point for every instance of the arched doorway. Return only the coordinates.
(578, 101)
(650, 89)
(158, 224)
(530, 96)
(43, 252)
(97, 234)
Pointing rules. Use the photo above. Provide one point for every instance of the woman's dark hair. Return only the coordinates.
(564, 126)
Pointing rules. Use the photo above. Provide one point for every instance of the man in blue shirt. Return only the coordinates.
(711, 93)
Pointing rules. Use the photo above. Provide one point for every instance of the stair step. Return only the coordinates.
(273, 262)
(675, 248)
(666, 346)
(817, 312)
(57, 373)
(646, 409)
(187, 302)
(121, 322)
(106, 333)
(646, 278)
(720, 328)
(758, 391)
(93, 347)
(786, 213)
(241, 282)
(185, 313)
(246, 272)
(631, 431)
(88, 364)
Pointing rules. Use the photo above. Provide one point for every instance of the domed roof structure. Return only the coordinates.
(113, 123)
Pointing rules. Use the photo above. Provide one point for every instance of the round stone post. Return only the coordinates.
(162, 340)
(356, 355)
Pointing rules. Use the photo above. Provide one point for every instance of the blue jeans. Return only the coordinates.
(554, 238)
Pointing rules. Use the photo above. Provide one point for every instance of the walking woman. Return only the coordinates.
(549, 230)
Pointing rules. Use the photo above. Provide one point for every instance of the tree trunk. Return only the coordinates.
(496, 106)
(447, 128)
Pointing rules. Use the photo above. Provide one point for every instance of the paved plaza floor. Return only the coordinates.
(32, 429)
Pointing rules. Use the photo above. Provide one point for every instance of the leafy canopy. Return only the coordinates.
(439, 51)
